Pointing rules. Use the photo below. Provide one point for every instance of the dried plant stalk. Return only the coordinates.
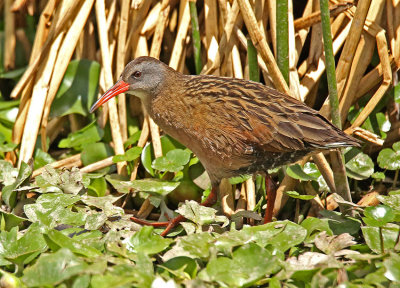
(251, 197)
(73, 161)
(262, 47)
(346, 58)
(61, 64)
(106, 60)
(10, 38)
(36, 108)
(226, 196)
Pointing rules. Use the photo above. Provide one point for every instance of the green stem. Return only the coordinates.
(254, 72)
(196, 37)
(282, 38)
(381, 240)
(330, 63)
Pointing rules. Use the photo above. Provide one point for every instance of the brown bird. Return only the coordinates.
(233, 126)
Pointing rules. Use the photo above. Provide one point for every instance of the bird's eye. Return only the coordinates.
(137, 74)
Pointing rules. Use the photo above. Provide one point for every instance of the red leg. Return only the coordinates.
(210, 200)
(271, 195)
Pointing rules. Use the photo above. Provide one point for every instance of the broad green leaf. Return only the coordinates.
(239, 179)
(378, 175)
(52, 269)
(88, 134)
(10, 220)
(392, 265)
(97, 187)
(167, 143)
(196, 246)
(78, 89)
(130, 155)
(315, 224)
(68, 181)
(249, 264)
(18, 249)
(95, 152)
(153, 186)
(378, 216)
(360, 167)
(122, 186)
(297, 195)
(8, 116)
(9, 193)
(340, 224)
(377, 123)
(41, 159)
(8, 174)
(393, 201)
(390, 233)
(132, 139)
(73, 245)
(50, 210)
(147, 242)
(200, 215)
(389, 158)
(173, 161)
(182, 267)
(308, 173)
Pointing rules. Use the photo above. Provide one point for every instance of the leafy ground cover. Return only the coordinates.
(66, 237)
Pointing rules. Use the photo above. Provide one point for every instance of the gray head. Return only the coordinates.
(142, 77)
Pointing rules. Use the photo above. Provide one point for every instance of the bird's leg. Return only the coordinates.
(210, 200)
(271, 195)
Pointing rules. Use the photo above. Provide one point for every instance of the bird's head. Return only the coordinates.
(141, 77)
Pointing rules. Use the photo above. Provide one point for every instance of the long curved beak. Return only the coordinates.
(118, 88)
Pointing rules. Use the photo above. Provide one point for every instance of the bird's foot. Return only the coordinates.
(211, 199)
(168, 224)
(270, 186)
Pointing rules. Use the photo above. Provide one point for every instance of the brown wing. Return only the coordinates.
(258, 119)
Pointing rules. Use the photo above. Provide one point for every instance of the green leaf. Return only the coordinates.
(78, 89)
(73, 245)
(52, 269)
(147, 242)
(372, 238)
(130, 155)
(153, 186)
(378, 216)
(41, 159)
(378, 175)
(95, 152)
(88, 134)
(389, 158)
(9, 193)
(360, 167)
(181, 266)
(68, 181)
(10, 220)
(392, 265)
(200, 215)
(97, 187)
(196, 246)
(17, 250)
(173, 161)
(132, 139)
(167, 143)
(50, 210)
(340, 224)
(296, 195)
(249, 264)
(239, 179)
(308, 173)
(393, 200)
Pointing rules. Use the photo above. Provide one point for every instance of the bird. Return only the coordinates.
(234, 126)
